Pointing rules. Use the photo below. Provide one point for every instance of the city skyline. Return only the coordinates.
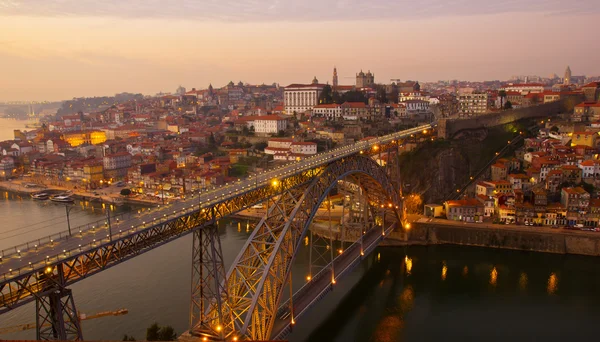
(147, 48)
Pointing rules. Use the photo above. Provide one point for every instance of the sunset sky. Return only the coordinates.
(54, 50)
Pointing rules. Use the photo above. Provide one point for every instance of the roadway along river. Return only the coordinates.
(410, 294)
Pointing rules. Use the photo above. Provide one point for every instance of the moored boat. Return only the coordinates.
(62, 199)
(41, 196)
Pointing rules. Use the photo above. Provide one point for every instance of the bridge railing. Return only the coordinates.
(266, 175)
(56, 237)
(123, 233)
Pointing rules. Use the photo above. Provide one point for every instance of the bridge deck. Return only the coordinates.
(23, 260)
(321, 284)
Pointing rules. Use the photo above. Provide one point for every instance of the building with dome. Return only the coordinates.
(365, 80)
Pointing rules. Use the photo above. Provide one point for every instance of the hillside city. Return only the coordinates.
(152, 149)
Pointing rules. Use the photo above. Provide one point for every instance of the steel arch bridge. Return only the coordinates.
(247, 302)
(222, 305)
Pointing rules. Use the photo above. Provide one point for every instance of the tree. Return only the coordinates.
(158, 333)
(413, 204)
(326, 95)
(337, 98)
(381, 95)
(125, 192)
(128, 338)
(554, 129)
(245, 131)
(354, 96)
(508, 105)
(502, 94)
(211, 140)
(281, 134)
(589, 188)
(152, 332)
(395, 94)
(238, 170)
(260, 146)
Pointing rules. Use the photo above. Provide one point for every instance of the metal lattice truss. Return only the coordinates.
(208, 273)
(19, 289)
(57, 318)
(256, 280)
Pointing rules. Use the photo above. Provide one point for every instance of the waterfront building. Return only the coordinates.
(468, 210)
(575, 199)
(116, 165)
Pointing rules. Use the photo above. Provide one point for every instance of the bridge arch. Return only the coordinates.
(256, 280)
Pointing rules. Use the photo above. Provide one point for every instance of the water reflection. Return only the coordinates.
(552, 284)
(422, 309)
(523, 281)
(408, 263)
(493, 276)
(444, 271)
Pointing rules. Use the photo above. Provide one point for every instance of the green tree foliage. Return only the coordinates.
(238, 170)
(281, 134)
(157, 333)
(354, 96)
(260, 146)
(502, 94)
(337, 98)
(326, 96)
(128, 338)
(508, 105)
(554, 129)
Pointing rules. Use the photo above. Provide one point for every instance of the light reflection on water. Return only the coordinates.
(504, 292)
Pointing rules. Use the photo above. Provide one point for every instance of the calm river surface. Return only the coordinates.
(397, 294)
(7, 127)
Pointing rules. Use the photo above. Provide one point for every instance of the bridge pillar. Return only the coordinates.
(208, 286)
(57, 318)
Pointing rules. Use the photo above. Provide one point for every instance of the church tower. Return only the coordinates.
(567, 79)
(335, 78)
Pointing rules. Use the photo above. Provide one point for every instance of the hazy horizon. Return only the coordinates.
(57, 50)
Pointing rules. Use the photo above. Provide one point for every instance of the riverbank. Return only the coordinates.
(536, 239)
(18, 187)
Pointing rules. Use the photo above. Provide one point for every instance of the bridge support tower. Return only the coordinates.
(208, 286)
(56, 316)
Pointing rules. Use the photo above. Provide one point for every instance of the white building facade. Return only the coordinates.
(329, 111)
(269, 124)
(298, 98)
(524, 88)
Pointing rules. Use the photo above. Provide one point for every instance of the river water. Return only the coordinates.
(7, 127)
(396, 294)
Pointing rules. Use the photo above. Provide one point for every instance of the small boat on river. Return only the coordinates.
(40, 196)
(62, 199)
